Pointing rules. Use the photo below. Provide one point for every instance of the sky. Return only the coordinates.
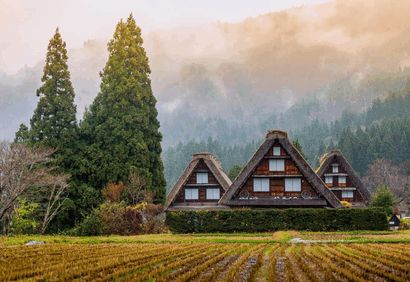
(27, 25)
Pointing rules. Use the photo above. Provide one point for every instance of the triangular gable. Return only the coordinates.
(337, 156)
(214, 167)
(281, 138)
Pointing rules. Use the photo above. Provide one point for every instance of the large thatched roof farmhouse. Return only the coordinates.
(278, 176)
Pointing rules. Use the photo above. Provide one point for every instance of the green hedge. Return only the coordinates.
(244, 220)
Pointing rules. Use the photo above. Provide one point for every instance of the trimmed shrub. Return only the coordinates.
(264, 220)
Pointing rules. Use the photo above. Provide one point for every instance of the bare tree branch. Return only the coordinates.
(21, 168)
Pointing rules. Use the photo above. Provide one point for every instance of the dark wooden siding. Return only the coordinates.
(201, 167)
(277, 188)
(357, 197)
(276, 183)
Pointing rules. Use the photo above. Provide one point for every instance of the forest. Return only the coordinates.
(378, 136)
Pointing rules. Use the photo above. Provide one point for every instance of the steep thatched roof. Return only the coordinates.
(214, 166)
(337, 156)
(282, 138)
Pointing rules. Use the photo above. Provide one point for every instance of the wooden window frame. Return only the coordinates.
(191, 190)
(327, 178)
(261, 188)
(199, 178)
(348, 192)
(275, 167)
(208, 190)
(292, 189)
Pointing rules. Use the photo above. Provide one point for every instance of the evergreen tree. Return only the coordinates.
(384, 198)
(234, 171)
(121, 129)
(361, 155)
(54, 122)
(347, 143)
(22, 135)
(299, 147)
(54, 125)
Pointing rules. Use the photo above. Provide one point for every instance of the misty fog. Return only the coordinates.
(224, 75)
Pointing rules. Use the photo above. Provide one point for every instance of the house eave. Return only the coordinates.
(279, 202)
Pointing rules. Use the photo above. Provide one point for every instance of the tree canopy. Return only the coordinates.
(121, 129)
(54, 123)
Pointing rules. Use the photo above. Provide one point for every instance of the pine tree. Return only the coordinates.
(121, 127)
(299, 147)
(346, 145)
(22, 135)
(234, 172)
(361, 155)
(54, 122)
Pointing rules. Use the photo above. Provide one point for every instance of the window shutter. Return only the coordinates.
(261, 185)
(293, 185)
(276, 151)
(276, 165)
(212, 194)
(191, 194)
(202, 178)
(347, 194)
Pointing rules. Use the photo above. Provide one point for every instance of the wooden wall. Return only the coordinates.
(357, 197)
(277, 184)
(201, 167)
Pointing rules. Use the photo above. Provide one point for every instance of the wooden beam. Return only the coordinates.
(279, 202)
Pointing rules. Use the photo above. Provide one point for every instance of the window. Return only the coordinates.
(261, 184)
(347, 194)
(201, 177)
(335, 169)
(329, 180)
(276, 151)
(212, 194)
(191, 194)
(277, 165)
(342, 180)
(293, 185)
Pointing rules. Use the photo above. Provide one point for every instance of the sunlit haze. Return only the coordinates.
(26, 26)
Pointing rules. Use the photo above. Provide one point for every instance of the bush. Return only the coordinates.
(264, 220)
(24, 218)
(90, 226)
(405, 224)
(384, 198)
(118, 218)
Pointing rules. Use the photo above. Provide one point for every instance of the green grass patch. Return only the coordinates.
(268, 237)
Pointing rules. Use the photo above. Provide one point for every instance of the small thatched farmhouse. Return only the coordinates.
(200, 186)
(342, 180)
(277, 176)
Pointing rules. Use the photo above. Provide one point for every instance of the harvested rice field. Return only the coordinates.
(211, 260)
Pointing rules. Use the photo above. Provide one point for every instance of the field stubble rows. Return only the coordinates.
(206, 262)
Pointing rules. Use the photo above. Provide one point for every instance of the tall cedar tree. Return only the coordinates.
(54, 120)
(121, 128)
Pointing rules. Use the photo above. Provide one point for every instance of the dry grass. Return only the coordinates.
(184, 261)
